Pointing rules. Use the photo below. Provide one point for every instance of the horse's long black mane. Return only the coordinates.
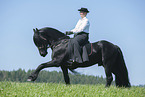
(53, 32)
(50, 29)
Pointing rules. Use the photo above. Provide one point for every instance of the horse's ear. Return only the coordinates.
(37, 30)
(34, 30)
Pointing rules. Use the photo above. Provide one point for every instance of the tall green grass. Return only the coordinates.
(16, 89)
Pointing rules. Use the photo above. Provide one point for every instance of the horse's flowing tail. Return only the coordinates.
(122, 76)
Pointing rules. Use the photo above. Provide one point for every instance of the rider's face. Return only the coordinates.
(83, 14)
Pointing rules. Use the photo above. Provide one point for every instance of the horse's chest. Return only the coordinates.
(59, 51)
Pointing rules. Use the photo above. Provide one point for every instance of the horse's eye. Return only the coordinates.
(41, 47)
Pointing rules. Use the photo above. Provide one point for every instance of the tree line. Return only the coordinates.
(50, 77)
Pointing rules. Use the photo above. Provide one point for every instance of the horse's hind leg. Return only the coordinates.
(109, 77)
(117, 81)
(108, 71)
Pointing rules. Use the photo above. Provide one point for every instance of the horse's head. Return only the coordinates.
(41, 42)
(46, 37)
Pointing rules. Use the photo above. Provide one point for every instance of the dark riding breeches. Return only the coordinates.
(76, 46)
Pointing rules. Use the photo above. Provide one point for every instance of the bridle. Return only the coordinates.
(44, 39)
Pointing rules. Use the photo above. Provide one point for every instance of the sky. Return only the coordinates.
(121, 22)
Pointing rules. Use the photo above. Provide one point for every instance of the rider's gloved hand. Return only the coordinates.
(68, 32)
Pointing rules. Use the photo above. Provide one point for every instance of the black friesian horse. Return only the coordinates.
(102, 52)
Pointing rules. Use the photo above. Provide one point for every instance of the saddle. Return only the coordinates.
(81, 55)
(89, 48)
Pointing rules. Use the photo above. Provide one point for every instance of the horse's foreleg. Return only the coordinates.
(52, 63)
(34, 75)
(65, 74)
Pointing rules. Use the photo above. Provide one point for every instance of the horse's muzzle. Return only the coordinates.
(43, 54)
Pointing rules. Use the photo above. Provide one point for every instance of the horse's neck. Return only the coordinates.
(54, 35)
(59, 40)
(64, 37)
(59, 43)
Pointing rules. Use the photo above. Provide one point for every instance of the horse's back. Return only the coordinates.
(106, 48)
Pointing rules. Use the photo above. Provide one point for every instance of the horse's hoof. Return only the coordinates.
(32, 77)
(107, 86)
(29, 80)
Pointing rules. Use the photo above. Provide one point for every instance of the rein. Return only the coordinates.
(43, 38)
(53, 43)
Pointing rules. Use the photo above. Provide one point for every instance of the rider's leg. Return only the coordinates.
(79, 41)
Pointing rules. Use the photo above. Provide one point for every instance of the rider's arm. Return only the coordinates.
(82, 26)
(76, 27)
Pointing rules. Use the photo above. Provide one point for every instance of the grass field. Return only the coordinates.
(16, 89)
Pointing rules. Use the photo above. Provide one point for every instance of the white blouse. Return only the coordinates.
(82, 26)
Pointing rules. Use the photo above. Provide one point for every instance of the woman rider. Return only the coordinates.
(80, 32)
